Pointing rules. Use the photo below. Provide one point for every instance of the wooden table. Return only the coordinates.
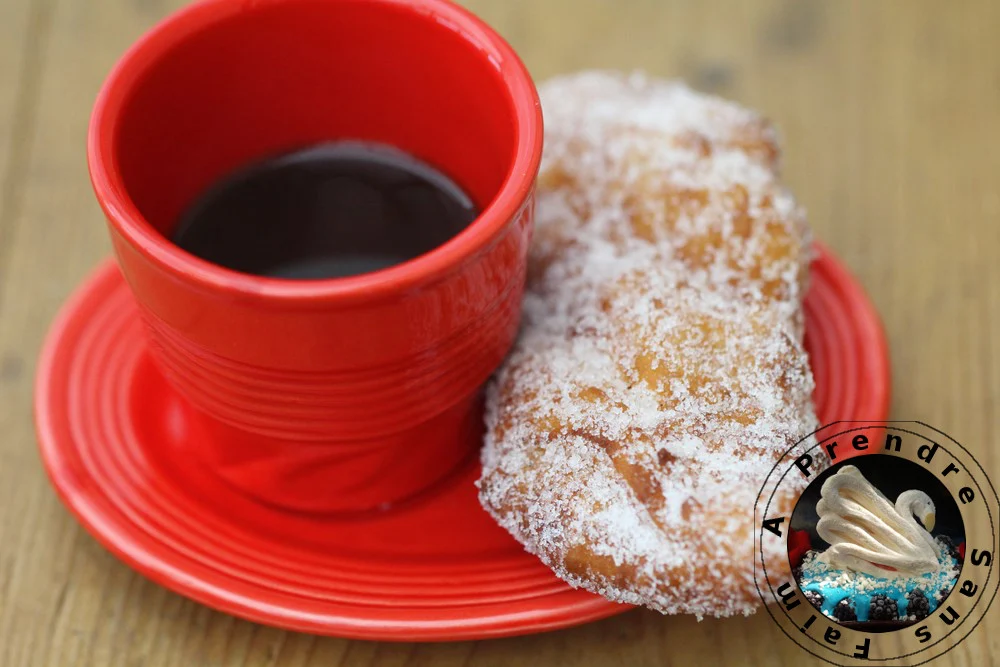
(889, 111)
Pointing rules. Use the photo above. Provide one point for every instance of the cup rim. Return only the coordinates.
(126, 219)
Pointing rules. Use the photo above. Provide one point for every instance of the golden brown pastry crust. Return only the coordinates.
(660, 372)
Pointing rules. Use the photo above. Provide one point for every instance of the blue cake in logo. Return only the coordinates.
(882, 565)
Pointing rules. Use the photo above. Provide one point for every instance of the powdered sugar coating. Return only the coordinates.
(660, 372)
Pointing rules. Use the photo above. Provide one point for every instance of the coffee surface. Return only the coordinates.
(327, 211)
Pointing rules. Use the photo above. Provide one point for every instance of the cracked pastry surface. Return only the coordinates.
(660, 371)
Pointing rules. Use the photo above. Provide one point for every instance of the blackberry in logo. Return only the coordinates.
(883, 608)
(917, 605)
(844, 611)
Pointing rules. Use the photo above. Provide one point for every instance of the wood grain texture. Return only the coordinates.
(890, 116)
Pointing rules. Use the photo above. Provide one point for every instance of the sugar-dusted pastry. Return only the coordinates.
(660, 371)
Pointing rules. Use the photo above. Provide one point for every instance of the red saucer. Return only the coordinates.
(113, 437)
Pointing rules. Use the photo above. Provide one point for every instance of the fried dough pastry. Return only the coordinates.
(660, 371)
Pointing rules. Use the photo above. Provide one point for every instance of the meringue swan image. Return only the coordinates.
(867, 533)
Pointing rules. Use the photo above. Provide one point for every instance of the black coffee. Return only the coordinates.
(332, 210)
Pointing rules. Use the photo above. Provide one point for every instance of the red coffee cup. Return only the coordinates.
(324, 395)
